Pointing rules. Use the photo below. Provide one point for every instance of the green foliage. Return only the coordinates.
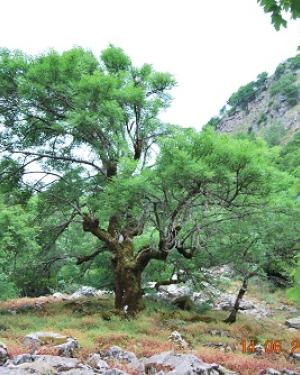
(8, 288)
(293, 292)
(278, 8)
(19, 249)
(280, 70)
(274, 133)
(87, 133)
(294, 62)
(213, 122)
(286, 86)
(247, 93)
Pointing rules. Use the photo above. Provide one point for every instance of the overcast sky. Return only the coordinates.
(211, 47)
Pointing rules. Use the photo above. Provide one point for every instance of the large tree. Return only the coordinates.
(84, 134)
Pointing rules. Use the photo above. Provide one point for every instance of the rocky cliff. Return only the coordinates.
(268, 107)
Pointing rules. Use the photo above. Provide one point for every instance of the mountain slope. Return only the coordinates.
(268, 107)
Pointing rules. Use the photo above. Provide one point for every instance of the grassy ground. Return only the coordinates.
(96, 325)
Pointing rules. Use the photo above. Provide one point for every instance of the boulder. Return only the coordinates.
(227, 300)
(37, 339)
(68, 347)
(295, 357)
(114, 371)
(40, 364)
(293, 323)
(60, 296)
(169, 292)
(116, 353)
(87, 291)
(3, 353)
(23, 358)
(83, 370)
(97, 362)
(169, 363)
(57, 362)
(65, 345)
(271, 371)
(177, 340)
(37, 368)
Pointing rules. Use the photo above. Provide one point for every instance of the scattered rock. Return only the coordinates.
(169, 292)
(115, 352)
(178, 341)
(79, 371)
(259, 349)
(220, 345)
(114, 371)
(61, 296)
(39, 364)
(67, 348)
(295, 357)
(217, 272)
(219, 332)
(65, 345)
(23, 358)
(97, 362)
(37, 339)
(271, 371)
(87, 291)
(227, 300)
(169, 363)
(3, 353)
(293, 323)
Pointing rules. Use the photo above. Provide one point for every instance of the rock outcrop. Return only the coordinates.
(169, 363)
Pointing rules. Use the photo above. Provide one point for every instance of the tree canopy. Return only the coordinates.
(107, 181)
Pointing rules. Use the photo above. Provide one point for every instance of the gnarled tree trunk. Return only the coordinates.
(128, 290)
(127, 277)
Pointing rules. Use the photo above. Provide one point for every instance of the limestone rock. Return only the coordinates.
(65, 345)
(87, 291)
(67, 348)
(37, 339)
(293, 323)
(181, 364)
(115, 352)
(178, 341)
(97, 362)
(3, 353)
(169, 292)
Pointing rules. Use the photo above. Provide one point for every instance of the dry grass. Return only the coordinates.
(97, 326)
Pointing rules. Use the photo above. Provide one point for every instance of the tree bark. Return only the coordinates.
(128, 288)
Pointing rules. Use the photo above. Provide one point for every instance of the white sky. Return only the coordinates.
(211, 47)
